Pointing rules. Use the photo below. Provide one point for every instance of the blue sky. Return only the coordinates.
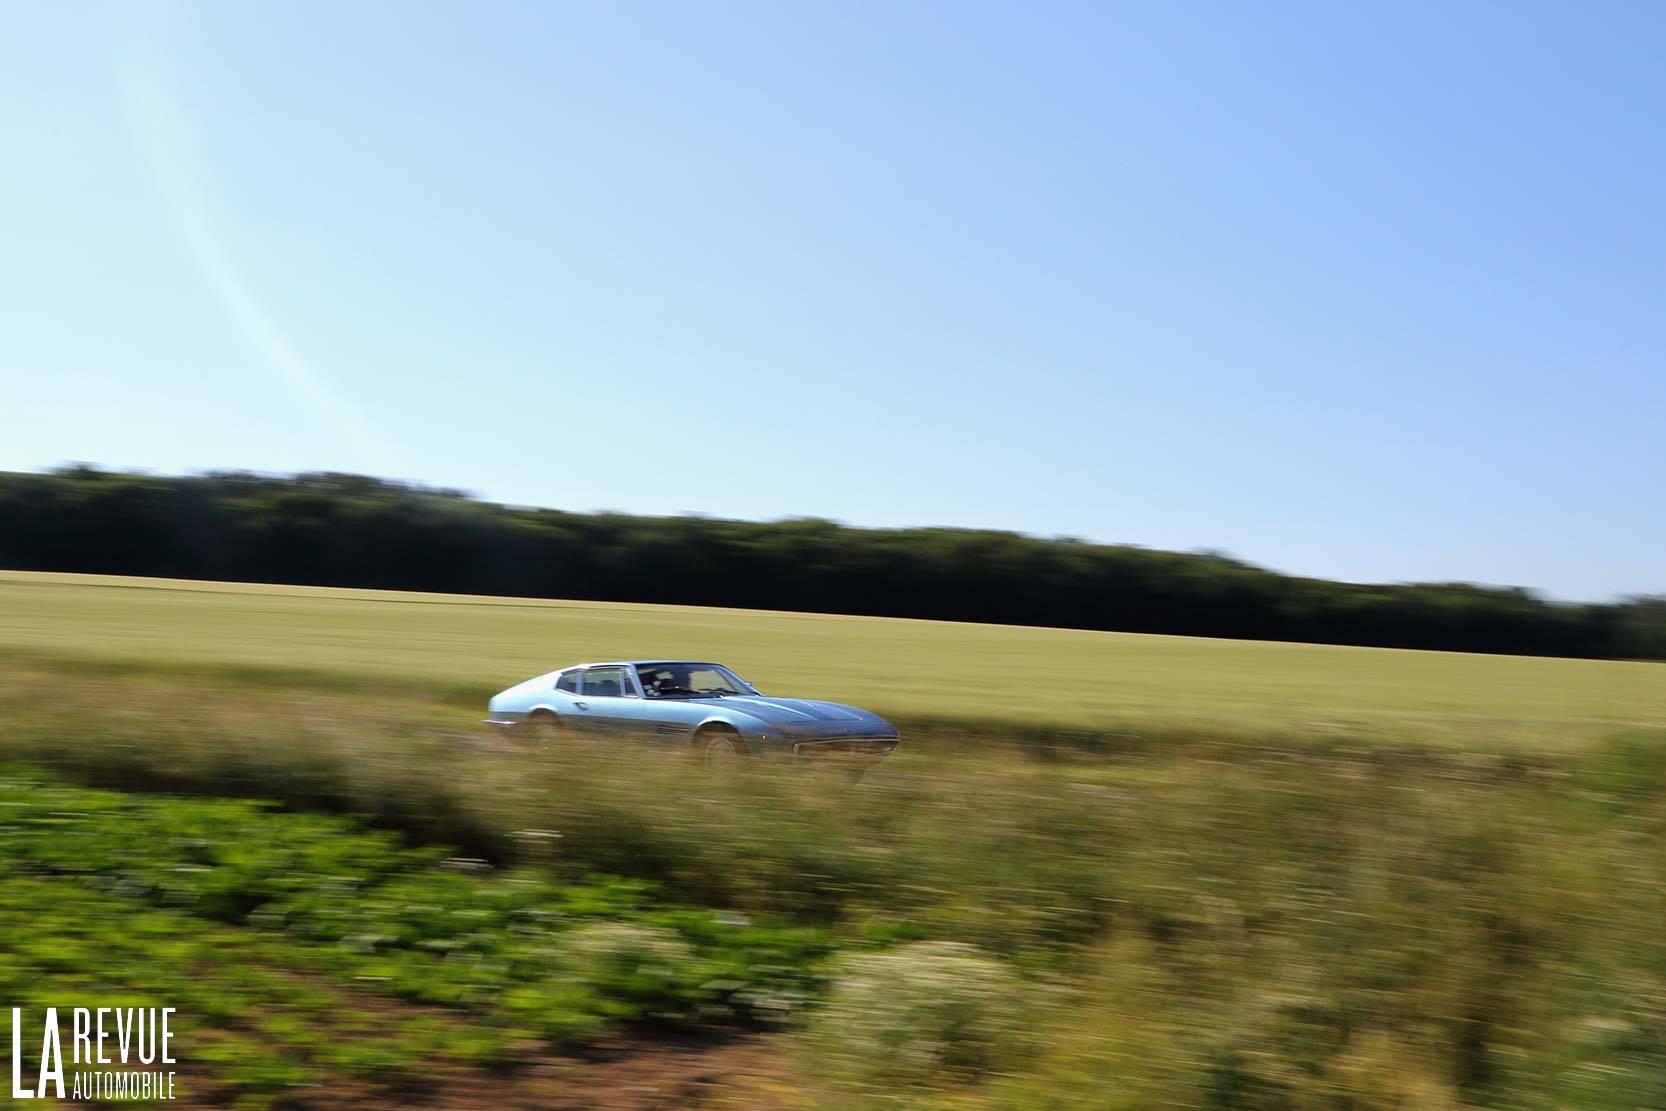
(1364, 291)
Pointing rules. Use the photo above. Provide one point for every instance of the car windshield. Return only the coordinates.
(689, 680)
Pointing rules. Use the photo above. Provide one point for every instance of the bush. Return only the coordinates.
(922, 1014)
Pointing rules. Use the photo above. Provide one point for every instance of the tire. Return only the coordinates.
(541, 728)
(720, 751)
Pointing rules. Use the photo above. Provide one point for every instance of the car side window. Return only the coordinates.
(606, 682)
(568, 681)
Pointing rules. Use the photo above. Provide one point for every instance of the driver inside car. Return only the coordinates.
(663, 682)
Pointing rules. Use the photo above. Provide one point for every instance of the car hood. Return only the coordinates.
(806, 716)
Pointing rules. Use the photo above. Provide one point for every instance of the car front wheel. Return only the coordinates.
(720, 751)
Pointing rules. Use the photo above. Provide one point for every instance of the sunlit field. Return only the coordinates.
(1334, 878)
(460, 649)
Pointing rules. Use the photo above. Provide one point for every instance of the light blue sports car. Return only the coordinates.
(703, 707)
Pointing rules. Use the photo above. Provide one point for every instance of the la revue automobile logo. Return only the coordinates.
(93, 1054)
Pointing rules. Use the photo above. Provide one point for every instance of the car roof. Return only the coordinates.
(636, 663)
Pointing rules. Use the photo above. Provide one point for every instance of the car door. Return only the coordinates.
(604, 703)
(666, 718)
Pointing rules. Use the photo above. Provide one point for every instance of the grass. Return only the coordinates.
(457, 650)
(271, 808)
(1213, 926)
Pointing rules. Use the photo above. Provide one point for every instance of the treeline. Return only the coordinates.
(350, 530)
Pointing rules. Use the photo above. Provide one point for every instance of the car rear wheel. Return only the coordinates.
(541, 728)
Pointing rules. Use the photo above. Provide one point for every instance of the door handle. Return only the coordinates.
(582, 705)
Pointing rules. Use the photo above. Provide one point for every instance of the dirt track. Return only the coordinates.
(736, 1073)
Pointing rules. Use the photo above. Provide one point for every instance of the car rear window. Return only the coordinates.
(605, 682)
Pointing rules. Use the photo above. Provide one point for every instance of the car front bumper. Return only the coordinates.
(845, 749)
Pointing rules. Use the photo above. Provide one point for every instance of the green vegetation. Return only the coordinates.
(273, 810)
(349, 530)
(275, 934)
